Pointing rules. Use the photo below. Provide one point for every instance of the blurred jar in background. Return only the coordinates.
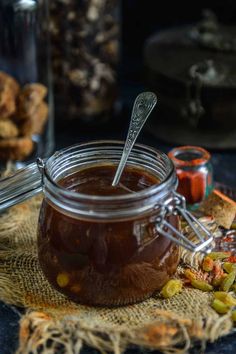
(195, 173)
(26, 102)
(85, 56)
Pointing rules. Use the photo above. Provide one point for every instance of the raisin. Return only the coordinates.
(63, 279)
(218, 255)
(229, 267)
(171, 288)
(219, 306)
(207, 264)
(226, 298)
(228, 281)
(201, 285)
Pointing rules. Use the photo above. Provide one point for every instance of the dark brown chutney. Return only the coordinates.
(105, 262)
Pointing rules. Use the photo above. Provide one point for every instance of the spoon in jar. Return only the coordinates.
(143, 105)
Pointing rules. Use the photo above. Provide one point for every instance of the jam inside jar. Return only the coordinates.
(98, 244)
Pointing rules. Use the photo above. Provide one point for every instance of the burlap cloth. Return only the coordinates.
(53, 324)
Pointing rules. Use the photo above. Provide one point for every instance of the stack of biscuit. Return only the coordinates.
(23, 113)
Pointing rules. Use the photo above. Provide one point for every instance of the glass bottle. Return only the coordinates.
(26, 98)
(85, 57)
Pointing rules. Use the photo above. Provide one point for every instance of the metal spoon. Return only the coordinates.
(143, 105)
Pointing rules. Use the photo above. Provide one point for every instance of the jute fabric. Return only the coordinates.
(53, 324)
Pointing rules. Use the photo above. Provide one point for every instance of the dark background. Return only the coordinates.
(141, 18)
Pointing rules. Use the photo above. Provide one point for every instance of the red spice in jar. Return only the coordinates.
(194, 172)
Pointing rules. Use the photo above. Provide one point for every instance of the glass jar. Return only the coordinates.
(26, 106)
(195, 173)
(85, 56)
(106, 249)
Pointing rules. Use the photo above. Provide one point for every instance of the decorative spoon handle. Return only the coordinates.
(142, 108)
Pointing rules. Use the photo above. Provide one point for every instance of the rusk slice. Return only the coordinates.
(7, 80)
(15, 148)
(220, 207)
(29, 98)
(8, 129)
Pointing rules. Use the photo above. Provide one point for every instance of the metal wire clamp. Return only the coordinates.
(176, 205)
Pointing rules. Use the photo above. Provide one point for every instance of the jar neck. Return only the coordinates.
(71, 160)
(189, 157)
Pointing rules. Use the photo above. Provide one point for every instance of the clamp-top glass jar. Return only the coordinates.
(26, 108)
(99, 244)
(104, 245)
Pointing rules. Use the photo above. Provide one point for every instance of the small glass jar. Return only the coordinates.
(106, 249)
(195, 173)
(26, 102)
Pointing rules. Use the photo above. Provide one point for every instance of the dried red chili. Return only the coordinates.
(194, 171)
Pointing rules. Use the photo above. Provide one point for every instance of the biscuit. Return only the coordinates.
(15, 148)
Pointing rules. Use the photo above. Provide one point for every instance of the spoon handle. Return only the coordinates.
(143, 105)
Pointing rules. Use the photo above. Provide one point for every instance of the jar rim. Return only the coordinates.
(154, 189)
(199, 158)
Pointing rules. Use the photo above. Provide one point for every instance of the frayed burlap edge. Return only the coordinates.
(169, 334)
(48, 329)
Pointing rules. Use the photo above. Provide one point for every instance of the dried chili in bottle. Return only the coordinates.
(194, 171)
